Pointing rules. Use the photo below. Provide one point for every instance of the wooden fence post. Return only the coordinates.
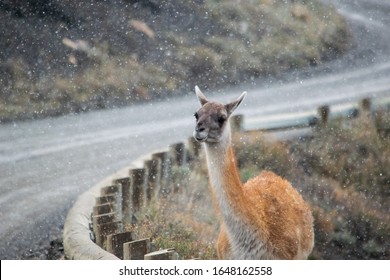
(138, 185)
(365, 104)
(166, 254)
(115, 242)
(164, 163)
(136, 250)
(103, 209)
(116, 191)
(236, 123)
(104, 218)
(126, 201)
(112, 198)
(178, 153)
(194, 148)
(110, 190)
(323, 112)
(103, 230)
(153, 168)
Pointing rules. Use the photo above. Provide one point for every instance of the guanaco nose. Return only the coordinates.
(200, 127)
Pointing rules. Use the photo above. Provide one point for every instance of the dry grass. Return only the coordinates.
(106, 61)
(185, 219)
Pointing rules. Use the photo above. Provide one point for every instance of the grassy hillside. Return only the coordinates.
(60, 56)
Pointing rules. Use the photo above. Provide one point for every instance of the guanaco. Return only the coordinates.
(265, 218)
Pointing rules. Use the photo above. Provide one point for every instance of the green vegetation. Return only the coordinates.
(342, 170)
(74, 56)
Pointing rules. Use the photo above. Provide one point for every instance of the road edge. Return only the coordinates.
(77, 241)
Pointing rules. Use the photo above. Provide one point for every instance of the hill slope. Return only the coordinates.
(70, 56)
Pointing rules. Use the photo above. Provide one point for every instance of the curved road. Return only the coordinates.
(46, 164)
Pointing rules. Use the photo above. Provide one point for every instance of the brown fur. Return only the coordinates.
(270, 204)
(265, 218)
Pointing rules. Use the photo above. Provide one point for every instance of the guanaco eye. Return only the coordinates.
(221, 120)
(196, 115)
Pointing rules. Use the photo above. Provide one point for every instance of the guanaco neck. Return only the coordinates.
(234, 205)
(224, 175)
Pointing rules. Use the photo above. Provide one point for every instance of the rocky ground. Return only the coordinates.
(54, 252)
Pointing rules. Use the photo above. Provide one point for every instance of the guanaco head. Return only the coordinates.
(212, 118)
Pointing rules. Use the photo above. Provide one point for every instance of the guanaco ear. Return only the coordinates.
(230, 107)
(202, 99)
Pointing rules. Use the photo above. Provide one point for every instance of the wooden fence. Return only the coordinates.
(119, 203)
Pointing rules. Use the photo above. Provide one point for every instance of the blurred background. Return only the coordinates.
(66, 56)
